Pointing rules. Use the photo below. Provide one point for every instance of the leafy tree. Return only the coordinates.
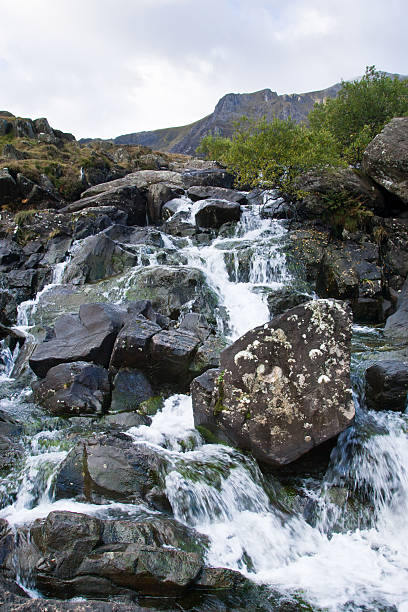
(360, 111)
(272, 154)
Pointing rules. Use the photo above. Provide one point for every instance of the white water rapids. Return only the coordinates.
(347, 555)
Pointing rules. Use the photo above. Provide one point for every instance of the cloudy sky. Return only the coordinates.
(109, 67)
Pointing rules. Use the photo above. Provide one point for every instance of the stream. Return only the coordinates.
(336, 539)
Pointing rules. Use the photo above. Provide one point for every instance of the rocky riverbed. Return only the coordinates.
(203, 395)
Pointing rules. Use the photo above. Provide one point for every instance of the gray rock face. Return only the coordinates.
(89, 336)
(157, 196)
(214, 177)
(386, 158)
(74, 389)
(99, 257)
(387, 385)
(397, 324)
(131, 346)
(130, 388)
(282, 388)
(127, 198)
(8, 187)
(214, 213)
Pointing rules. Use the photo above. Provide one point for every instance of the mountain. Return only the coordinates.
(185, 139)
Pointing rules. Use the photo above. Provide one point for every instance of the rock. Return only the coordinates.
(98, 257)
(323, 185)
(393, 237)
(10, 152)
(157, 195)
(171, 288)
(125, 420)
(111, 467)
(89, 336)
(397, 324)
(131, 346)
(126, 198)
(147, 236)
(11, 451)
(282, 388)
(207, 355)
(386, 159)
(91, 221)
(218, 193)
(8, 187)
(140, 180)
(171, 352)
(278, 209)
(350, 271)
(281, 300)
(387, 385)
(195, 324)
(10, 255)
(130, 388)
(173, 206)
(74, 389)
(214, 213)
(213, 177)
(179, 225)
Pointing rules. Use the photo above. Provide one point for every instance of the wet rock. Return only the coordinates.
(171, 352)
(131, 346)
(387, 385)
(393, 237)
(11, 451)
(179, 224)
(125, 420)
(278, 209)
(111, 467)
(89, 336)
(10, 255)
(195, 324)
(99, 257)
(171, 288)
(207, 355)
(140, 180)
(130, 388)
(214, 213)
(74, 389)
(282, 388)
(172, 207)
(351, 272)
(397, 324)
(213, 177)
(386, 159)
(219, 193)
(283, 299)
(135, 236)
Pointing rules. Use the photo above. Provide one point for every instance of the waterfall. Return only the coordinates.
(342, 547)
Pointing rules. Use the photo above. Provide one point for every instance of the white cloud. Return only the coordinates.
(108, 67)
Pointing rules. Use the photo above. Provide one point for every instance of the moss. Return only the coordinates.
(209, 437)
(24, 215)
(151, 406)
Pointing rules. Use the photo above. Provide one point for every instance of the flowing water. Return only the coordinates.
(337, 540)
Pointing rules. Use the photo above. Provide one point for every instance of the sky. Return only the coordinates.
(101, 68)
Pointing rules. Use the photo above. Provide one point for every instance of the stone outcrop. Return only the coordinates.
(397, 324)
(386, 159)
(282, 388)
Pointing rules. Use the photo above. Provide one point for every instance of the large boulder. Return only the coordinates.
(98, 257)
(320, 187)
(387, 385)
(9, 191)
(130, 388)
(214, 213)
(213, 177)
(132, 343)
(74, 389)
(397, 324)
(284, 387)
(386, 158)
(126, 198)
(157, 195)
(88, 336)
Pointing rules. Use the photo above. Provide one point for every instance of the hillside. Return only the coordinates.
(185, 139)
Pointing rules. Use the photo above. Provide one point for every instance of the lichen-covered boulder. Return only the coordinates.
(386, 158)
(283, 387)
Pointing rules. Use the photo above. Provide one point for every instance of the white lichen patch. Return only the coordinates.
(243, 355)
(315, 353)
(278, 336)
(323, 379)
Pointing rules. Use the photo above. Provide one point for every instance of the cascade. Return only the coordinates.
(343, 548)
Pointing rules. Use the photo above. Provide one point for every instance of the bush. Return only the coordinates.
(272, 154)
(360, 111)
